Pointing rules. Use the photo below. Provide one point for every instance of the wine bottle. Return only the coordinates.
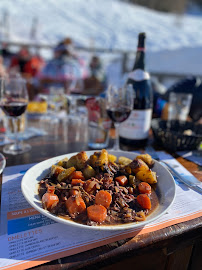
(135, 130)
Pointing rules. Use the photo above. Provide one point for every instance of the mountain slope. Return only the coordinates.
(105, 23)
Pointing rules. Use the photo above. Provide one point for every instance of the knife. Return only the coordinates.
(189, 180)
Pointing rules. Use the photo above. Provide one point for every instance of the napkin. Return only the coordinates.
(194, 156)
(37, 107)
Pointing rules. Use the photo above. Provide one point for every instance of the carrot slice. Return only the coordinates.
(76, 175)
(77, 182)
(75, 206)
(49, 199)
(144, 201)
(144, 187)
(122, 179)
(97, 213)
(104, 198)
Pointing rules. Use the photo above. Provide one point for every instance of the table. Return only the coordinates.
(175, 247)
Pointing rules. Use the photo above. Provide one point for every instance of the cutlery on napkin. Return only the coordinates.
(189, 180)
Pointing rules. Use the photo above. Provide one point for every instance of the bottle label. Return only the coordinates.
(141, 49)
(137, 126)
(139, 75)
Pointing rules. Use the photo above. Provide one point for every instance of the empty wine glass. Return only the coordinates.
(56, 99)
(13, 102)
(74, 88)
(119, 104)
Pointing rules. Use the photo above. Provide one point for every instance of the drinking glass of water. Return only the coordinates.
(179, 106)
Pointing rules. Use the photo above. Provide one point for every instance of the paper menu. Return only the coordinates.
(28, 238)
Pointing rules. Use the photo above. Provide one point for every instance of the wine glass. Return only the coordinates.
(13, 102)
(119, 104)
(74, 88)
(56, 100)
(2, 162)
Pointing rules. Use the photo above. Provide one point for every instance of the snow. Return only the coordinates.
(174, 43)
(110, 23)
(184, 61)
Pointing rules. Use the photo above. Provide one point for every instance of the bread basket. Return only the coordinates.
(176, 135)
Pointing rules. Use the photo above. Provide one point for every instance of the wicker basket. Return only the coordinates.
(173, 136)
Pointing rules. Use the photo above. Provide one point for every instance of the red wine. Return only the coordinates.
(118, 115)
(14, 109)
(135, 130)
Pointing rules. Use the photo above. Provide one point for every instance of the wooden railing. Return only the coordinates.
(123, 53)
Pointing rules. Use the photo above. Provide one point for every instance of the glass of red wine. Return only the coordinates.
(119, 104)
(13, 102)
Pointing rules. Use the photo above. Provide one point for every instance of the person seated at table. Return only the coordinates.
(25, 63)
(20, 62)
(96, 82)
(65, 69)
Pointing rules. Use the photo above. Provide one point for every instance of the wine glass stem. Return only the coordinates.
(15, 129)
(116, 143)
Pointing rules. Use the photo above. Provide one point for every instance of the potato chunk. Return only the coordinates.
(71, 162)
(147, 176)
(138, 165)
(103, 159)
(65, 174)
(63, 162)
(78, 161)
(99, 158)
(56, 170)
(147, 159)
(81, 159)
(88, 172)
(112, 158)
(124, 161)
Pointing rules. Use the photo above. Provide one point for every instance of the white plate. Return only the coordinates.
(165, 191)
